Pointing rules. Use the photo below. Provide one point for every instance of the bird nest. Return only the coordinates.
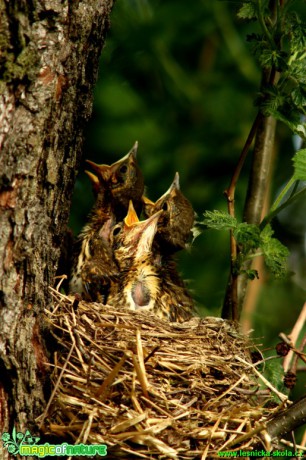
(151, 389)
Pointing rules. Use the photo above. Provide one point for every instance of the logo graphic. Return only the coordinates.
(26, 445)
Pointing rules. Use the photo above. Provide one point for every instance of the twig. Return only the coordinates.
(104, 388)
(280, 395)
(230, 306)
(44, 414)
(294, 336)
(301, 447)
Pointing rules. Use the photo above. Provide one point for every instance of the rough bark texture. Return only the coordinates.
(49, 51)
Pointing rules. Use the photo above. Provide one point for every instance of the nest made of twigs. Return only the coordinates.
(151, 389)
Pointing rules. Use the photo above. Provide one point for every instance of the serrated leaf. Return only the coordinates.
(297, 127)
(298, 96)
(247, 234)
(219, 220)
(275, 253)
(247, 11)
(274, 58)
(294, 27)
(299, 163)
(266, 234)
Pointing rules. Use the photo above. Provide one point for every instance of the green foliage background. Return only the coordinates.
(180, 78)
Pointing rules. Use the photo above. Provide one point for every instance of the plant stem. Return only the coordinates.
(272, 214)
(258, 186)
(230, 305)
(263, 24)
(278, 200)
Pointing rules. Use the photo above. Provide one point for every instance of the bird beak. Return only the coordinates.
(174, 187)
(133, 151)
(176, 182)
(131, 217)
(94, 181)
(103, 171)
(148, 230)
(129, 157)
(147, 201)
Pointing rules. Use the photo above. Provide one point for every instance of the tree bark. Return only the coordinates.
(49, 55)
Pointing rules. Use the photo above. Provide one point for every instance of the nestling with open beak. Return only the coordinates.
(143, 283)
(93, 264)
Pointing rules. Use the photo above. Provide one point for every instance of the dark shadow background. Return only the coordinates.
(179, 77)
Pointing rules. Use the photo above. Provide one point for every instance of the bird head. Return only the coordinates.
(135, 238)
(176, 221)
(123, 178)
(167, 201)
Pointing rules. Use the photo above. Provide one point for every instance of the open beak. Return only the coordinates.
(131, 217)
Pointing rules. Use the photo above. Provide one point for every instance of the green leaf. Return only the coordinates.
(273, 58)
(298, 96)
(251, 274)
(275, 253)
(296, 126)
(299, 163)
(266, 234)
(219, 220)
(294, 27)
(248, 235)
(275, 373)
(247, 11)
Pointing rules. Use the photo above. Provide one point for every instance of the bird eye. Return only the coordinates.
(116, 230)
(123, 169)
(165, 206)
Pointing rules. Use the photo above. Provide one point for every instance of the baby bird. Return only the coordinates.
(94, 268)
(100, 269)
(176, 221)
(144, 283)
(124, 180)
(138, 286)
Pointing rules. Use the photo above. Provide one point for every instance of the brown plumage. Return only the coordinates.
(124, 180)
(145, 283)
(176, 221)
(100, 269)
(94, 268)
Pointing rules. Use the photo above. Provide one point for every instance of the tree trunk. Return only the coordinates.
(49, 54)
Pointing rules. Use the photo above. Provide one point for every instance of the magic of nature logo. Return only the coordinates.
(25, 444)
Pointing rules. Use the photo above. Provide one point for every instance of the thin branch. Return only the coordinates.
(230, 310)
(294, 336)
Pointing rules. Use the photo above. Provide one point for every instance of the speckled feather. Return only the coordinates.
(145, 283)
(176, 221)
(94, 269)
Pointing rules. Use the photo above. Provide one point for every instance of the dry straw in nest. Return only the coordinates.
(153, 390)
